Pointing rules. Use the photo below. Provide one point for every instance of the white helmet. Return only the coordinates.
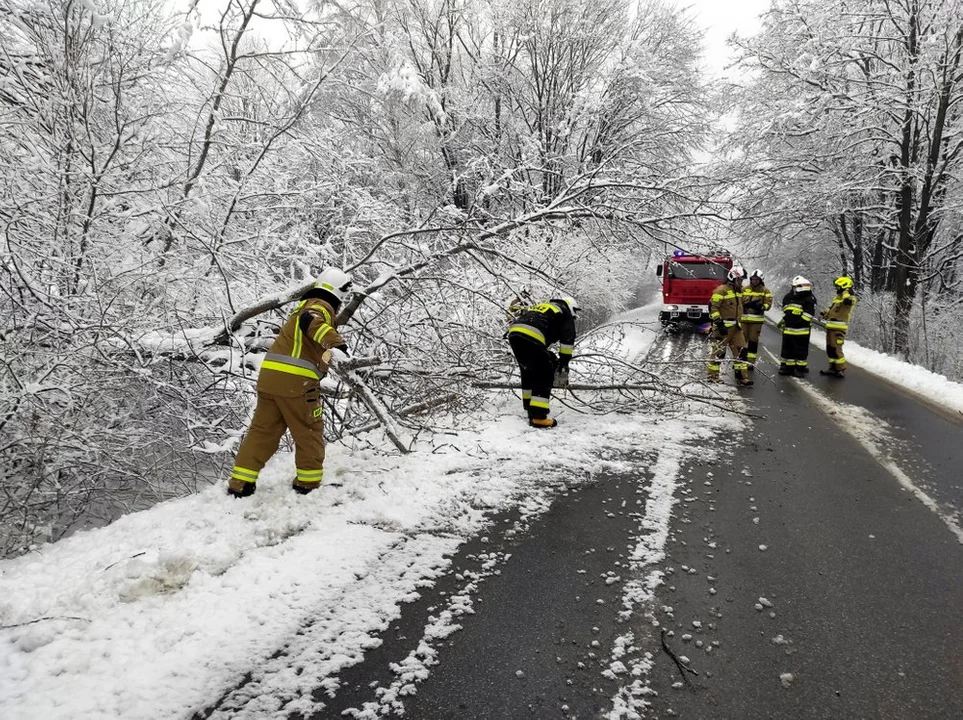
(756, 274)
(337, 282)
(737, 273)
(801, 284)
(572, 303)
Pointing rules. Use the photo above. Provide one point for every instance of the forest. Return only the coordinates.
(173, 175)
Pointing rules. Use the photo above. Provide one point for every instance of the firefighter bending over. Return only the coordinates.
(837, 317)
(725, 311)
(289, 389)
(756, 299)
(530, 336)
(798, 307)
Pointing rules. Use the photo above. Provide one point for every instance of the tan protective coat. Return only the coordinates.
(289, 396)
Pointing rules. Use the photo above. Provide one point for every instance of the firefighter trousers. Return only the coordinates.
(274, 414)
(537, 367)
(795, 349)
(752, 331)
(735, 341)
(834, 349)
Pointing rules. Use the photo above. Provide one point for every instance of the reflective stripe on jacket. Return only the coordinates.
(839, 311)
(761, 295)
(798, 310)
(547, 323)
(295, 361)
(726, 305)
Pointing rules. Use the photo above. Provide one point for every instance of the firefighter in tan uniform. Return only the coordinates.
(289, 389)
(756, 299)
(725, 311)
(837, 317)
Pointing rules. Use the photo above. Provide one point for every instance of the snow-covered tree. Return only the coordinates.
(851, 133)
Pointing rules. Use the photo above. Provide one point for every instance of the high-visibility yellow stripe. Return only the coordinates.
(241, 473)
(529, 331)
(310, 475)
(539, 402)
(322, 331)
(289, 369)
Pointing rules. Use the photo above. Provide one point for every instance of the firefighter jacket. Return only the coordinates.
(726, 305)
(294, 363)
(755, 302)
(548, 323)
(798, 310)
(837, 315)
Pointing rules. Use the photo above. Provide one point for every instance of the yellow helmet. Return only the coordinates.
(843, 282)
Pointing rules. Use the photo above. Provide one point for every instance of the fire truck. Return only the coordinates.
(688, 280)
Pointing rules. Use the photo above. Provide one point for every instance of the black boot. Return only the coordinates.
(742, 379)
(241, 488)
(303, 488)
(786, 370)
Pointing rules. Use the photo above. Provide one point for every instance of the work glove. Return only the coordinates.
(561, 379)
(335, 355)
(781, 324)
(721, 327)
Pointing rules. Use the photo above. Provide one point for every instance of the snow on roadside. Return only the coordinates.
(165, 610)
(936, 388)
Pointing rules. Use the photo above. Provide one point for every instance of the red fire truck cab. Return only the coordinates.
(687, 284)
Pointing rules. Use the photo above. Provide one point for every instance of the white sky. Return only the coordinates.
(720, 18)
(165, 610)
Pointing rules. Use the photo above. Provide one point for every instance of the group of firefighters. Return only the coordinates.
(289, 389)
(738, 313)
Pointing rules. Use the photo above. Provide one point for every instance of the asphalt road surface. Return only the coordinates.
(815, 572)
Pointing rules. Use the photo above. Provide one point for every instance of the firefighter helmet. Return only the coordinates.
(572, 304)
(334, 281)
(801, 284)
(843, 282)
(736, 273)
(756, 274)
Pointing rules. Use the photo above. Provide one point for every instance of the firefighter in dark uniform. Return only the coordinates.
(836, 317)
(530, 337)
(289, 389)
(725, 311)
(756, 299)
(798, 306)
